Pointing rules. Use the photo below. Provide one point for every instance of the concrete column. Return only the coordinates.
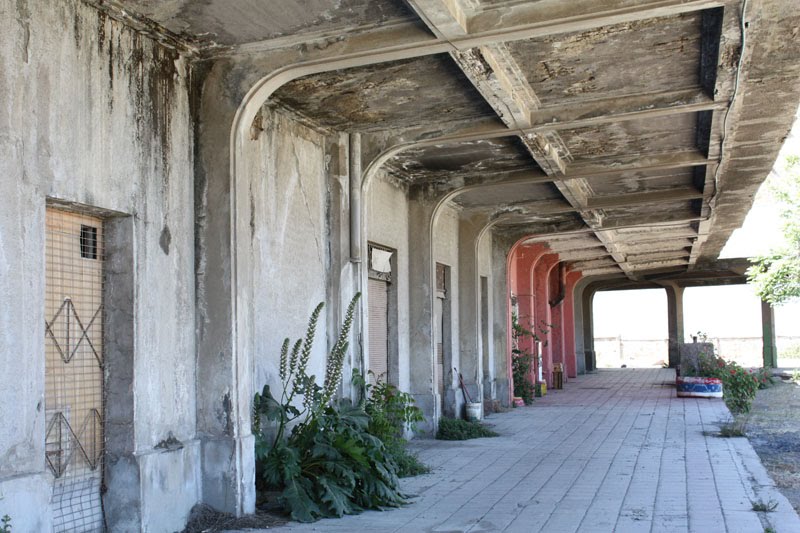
(570, 356)
(770, 350)
(577, 313)
(556, 314)
(542, 315)
(500, 317)
(587, 302)
(422, 286)
(224, 328)
(675, 323)
(469, 229)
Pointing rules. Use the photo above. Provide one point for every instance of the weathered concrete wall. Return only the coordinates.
(289, 240)
(445, 251)
(387, 225)
(95, 114)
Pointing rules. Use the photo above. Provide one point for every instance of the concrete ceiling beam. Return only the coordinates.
(420, 138)
(582, 255)
(574, 15)
(549, 207)
(446, 18)
(614, 166)
(643, 198)
(531, 225)
(629, 107)
(334, 50)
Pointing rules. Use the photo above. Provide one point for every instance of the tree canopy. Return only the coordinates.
(776, 275)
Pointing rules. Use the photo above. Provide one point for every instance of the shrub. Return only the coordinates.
(5, 524)
(457, 429)
(521, 362)
(764, 377)
(392, 412)
(738, 387)
(330, 464)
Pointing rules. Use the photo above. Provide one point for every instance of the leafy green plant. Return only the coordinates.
(776, 275)
(764, 377)
(702, 365)
(457, 429)
(521, 361)
(796, 376)
(739, 387)
(5, 524)
(391, 413)
(768, 507)
(329, 464)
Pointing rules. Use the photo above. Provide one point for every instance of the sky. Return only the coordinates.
(723, 311)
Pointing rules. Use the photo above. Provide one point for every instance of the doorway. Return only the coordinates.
(74, 363)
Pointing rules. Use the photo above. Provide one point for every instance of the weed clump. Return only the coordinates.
(457, 429)
(768, 507)
(733, 428)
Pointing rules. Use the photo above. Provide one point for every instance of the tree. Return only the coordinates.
(776, 275)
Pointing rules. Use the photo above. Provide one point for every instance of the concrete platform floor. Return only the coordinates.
(614, 451)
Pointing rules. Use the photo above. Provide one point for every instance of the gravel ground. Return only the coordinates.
(773, 428)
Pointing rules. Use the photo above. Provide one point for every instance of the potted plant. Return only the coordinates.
(699, 374)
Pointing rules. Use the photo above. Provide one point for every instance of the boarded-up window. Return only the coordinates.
(379, 330)
(441, 326)
(441, 279)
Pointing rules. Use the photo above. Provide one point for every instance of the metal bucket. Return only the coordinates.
(474, 411)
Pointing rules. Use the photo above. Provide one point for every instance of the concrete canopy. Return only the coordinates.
(618, 119)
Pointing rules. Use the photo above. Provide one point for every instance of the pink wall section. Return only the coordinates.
(569, 324)
(542, 315)
(535, 279)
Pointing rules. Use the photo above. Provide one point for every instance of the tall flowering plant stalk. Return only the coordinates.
(329, 464)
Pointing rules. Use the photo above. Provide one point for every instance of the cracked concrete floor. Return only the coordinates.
(614, 451)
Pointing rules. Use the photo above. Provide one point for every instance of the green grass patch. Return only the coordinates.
(408, 464)
(457, 429)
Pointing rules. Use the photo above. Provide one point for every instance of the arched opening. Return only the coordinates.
(630, 328)
(731, 318)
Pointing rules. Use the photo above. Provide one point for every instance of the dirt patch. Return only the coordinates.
(204, 519)
(773, 428)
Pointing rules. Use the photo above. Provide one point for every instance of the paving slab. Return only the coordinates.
(614, 451)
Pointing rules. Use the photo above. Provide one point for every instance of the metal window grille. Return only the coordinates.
(74, 368)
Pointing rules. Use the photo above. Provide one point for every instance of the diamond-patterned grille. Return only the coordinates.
(74, 368)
